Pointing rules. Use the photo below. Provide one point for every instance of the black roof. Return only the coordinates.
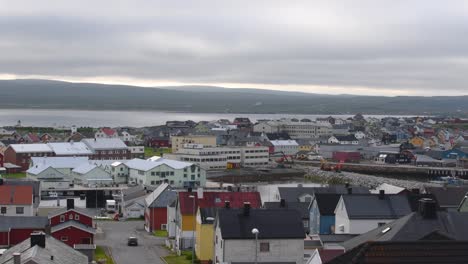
(334, 238)
(406, 252)
(414, 226)
(23, 222)
(448, 196)
(272, 223)
(327, 202)
(370, 206)
(205, 213)
(292, 194)
(301, 207)
(346, 138)
(166, 198)
(278, 136)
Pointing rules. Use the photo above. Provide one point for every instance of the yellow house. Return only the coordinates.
(417, 141)
(204, 233)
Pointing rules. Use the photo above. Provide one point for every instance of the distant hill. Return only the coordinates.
(64, 95)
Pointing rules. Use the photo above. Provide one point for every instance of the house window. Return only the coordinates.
(19, 210)
(216, 239)
(3, 210)
(64, 238)
(70, 216)
(265, 247)
(62, 218)
(77, 217)
(380, 224)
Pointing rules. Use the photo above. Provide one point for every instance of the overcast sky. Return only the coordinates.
(356, 47)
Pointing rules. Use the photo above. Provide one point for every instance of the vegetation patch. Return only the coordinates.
(16, 175)
(160, 233)
(101, 254)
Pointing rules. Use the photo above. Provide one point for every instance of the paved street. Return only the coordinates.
(115, 235)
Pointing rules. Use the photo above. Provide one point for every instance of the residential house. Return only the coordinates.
(322, 213)
(178, 142)
(155, 205)
(126, 137)
(448, 197)
(417, 142)
(426, 224)
(20, 154)
(134, 209)
(15, 229)
(242, 122)
(343, 140)
(357, 214)
(176, 173)
(137, 152)
(204, 233)
(72, 226)
(1, 160)
(188, 202)
(306, 194)
(258, 235)
(267, 127)
(117, 169)
(41, 248)
(16, 200)
(106, 132)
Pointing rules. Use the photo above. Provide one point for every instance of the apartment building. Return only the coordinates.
(211, 158)
(178, 142)
(295, 129)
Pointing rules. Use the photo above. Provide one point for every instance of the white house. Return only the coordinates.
(176, 173)
(360, 135)
(16, 200)
(49, 177)
(280, 236)
(62, 164)
(343, 140)
(288, 147)
(360, 213)
(90, 174)
(117, 169)
(125, 136)
(135, 208)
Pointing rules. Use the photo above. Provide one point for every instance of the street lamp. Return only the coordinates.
(255, 232)
(193, 231)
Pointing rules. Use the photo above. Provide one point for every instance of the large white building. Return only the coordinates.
(295, 129)
(176, 173)
(211, 158)
(288, 147)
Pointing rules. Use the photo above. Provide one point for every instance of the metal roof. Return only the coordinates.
(30, 148)
(70, 148)
(104, 143)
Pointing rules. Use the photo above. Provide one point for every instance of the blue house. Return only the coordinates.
(454, 154)
(322, 213)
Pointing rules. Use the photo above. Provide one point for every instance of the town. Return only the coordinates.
(304, 191)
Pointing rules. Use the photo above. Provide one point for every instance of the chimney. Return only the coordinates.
(381, 194)
(17, 258)
(70, 204)
(283, 203)
(246, 209)
(350, 190)
(227, 204)
(415, 191)
(427, 208)
(38, 239)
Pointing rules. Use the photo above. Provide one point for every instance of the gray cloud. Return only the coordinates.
(417, 46)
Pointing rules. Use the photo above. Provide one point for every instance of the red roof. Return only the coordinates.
(108, 131)
(217, 199)
(13, 195)
(33, 137)
(329, 254)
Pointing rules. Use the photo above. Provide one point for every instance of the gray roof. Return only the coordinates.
(84, 211)
(336, 238)
(301, 207)
(164, 199)
(414, 227)
(291, 194)
(75, 224)
(104, 143)
(370, 206)
(23, 222)
(62, 253)
(134, 193)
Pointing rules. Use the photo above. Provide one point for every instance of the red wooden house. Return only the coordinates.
(1, 160)
(156, 207)
(15, 229)
(72, 225)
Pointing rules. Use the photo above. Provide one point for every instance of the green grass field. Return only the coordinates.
(100, 253)
(160, 233)
(17, 175)
(150, 152)
(184, 258)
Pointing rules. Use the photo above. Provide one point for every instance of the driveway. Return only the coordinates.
(114, 236)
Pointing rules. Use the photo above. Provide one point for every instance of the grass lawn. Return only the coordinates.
(184, 258)
(16, 175)
(160, 233)
(150, 152)
(100, 253)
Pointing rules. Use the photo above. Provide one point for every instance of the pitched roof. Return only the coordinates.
(161, 197)
(448, 196)
(415, 227)
(208, 215)
(104, 143)
(84, 168)
(301, 207)
(146, 165)
(83, 211)
(272, 223)
(30, 148)
(370, 206)
(61, 252)
(406, 252)
(70, 148)
(346, 138)
(291, 194)
(327, 202)
(217, 199)
(16, 195)
(59, 162)
(23, 222)
(284, 142)
(108, 131)
(75, 224)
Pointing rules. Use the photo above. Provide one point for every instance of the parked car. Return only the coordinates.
(132, 241)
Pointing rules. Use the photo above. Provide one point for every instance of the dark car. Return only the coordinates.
(132, 241)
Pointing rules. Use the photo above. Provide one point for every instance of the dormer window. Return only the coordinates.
(62, 218)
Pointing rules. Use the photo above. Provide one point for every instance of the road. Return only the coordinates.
(114, 235)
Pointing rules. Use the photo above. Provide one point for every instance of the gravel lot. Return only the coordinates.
(114, 236)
